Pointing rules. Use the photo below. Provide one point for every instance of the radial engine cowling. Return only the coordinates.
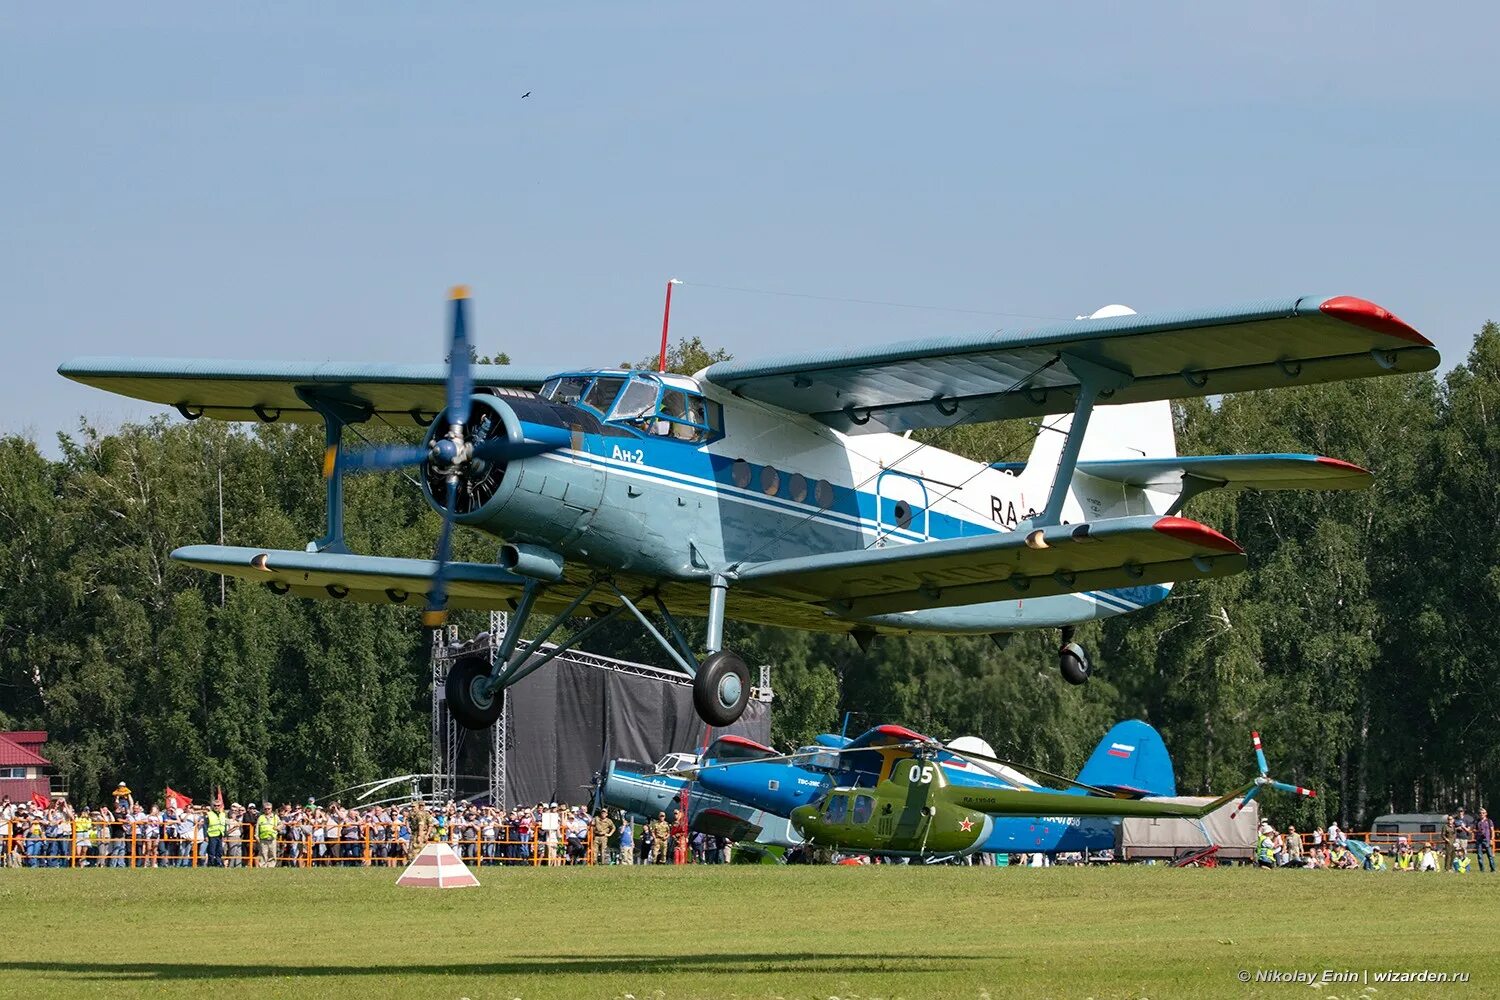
(479, 481)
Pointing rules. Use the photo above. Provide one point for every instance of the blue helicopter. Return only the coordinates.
(787, 491)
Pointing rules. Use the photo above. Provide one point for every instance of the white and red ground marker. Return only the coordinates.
(437, 867)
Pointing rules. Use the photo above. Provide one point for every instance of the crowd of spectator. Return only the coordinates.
(1449, 851)
(128, 833)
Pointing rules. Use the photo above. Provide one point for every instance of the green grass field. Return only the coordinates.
(791, 932)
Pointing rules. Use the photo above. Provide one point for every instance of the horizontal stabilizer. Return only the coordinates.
(1245, 472)
(1042, 562)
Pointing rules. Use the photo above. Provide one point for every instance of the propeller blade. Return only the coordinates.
(436, 615)
(1294, 789)
(1245, 801)
(459, 381)
(1260, 755)
(380, 458)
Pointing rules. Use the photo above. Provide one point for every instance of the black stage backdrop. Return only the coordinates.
(568, 718)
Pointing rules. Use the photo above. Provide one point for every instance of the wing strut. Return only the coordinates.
(335, 413)
(1094, 380)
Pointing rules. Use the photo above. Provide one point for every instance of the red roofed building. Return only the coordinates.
(23, 769)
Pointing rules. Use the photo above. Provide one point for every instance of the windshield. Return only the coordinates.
(638, 400)
(603, 393)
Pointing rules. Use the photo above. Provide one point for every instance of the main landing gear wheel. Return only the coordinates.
(467, 703)
(1075, 664)
(721, 690)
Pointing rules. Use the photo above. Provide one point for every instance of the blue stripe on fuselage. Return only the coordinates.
(687, 466)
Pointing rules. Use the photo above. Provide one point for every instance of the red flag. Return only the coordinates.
(41, 801)
(219, 799)
(176, 800)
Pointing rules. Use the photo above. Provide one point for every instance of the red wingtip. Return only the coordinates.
(1339, 463)
(1197, 534)
(1364, 313)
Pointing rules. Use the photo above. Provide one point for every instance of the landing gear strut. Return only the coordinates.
(721, 682)
(1073, 660)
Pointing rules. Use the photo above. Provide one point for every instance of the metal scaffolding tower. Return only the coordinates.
(447, 735)
(500, 731)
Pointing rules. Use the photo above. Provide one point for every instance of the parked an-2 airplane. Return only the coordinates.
(786, 491)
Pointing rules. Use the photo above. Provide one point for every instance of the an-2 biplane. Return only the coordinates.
(786, 491)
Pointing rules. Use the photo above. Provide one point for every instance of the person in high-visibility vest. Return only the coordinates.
(266, 825)
(81, 841)
(214, 822)
(1461, 859)
(1265, 855)
(1376, 861)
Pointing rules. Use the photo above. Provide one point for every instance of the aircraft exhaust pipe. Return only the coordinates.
(532, 561)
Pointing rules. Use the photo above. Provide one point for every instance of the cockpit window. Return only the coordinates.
(567, 389)
(817, 758)
(638, 400)
(864, 805)
(687, 417)
(836, 809)
(644, 402)
(603, 393)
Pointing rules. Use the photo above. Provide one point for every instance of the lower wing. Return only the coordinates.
(368, 579)
(1044, 562)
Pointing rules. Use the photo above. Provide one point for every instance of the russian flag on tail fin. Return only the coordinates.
(1132, 759)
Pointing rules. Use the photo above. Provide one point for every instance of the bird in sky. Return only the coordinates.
(525, 95)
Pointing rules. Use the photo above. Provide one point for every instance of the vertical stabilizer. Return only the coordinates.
(1131, 758)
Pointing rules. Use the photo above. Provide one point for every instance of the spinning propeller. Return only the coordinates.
(1265, 779)
(455, 451)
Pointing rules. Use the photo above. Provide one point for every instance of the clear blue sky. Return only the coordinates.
(278, 184)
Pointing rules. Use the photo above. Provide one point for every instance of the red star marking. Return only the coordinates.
(965, 825)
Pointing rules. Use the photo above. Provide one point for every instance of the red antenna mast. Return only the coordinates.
(666, 317)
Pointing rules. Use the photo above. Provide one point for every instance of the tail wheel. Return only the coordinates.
(721, 689)
(468, 703)
(1075, 664)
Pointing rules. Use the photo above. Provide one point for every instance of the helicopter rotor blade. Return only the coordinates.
(1030, 770)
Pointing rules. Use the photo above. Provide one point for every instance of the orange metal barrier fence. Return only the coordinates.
(143, 845)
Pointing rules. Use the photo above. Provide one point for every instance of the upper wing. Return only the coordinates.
(1256, 472)
(942, 381)
(269, 390)
(1063, 559)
